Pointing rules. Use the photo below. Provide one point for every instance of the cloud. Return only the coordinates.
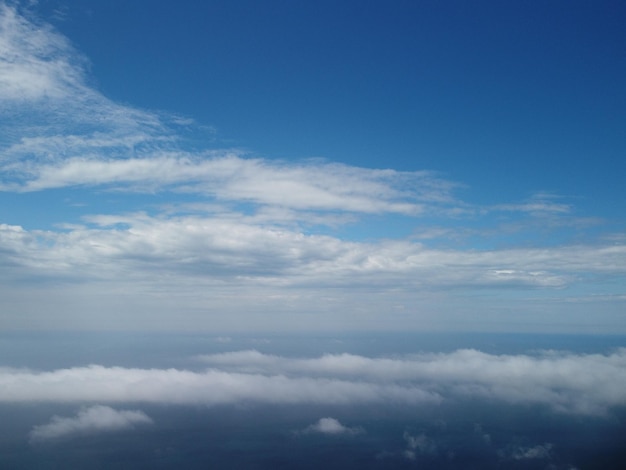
(566, 382)
(94, 419)
(212, 387)
(539, 204)
(332, 426)
(44, 89)
(589, 384)
(142, 247)
(418, 445)
(227, 176)
(35, 62)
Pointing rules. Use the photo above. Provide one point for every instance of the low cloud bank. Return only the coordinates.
(90, 420)
(213, 387)
(565, 382)
(568, 382)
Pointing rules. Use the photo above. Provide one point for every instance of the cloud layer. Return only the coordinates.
(564, 382)
(221, 248)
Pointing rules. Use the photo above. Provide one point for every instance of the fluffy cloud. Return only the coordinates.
(331, 426)
(565, 382)
(116, 384)
(93, 419)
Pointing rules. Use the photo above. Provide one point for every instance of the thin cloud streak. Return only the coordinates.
(314, 186)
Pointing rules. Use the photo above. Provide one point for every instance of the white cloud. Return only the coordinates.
(35, 62)
(228, 176)
(333, 427)
(193, 264)
(94, 419)
(49, 112)
(564, 382)
(536, 452)
(141, 247)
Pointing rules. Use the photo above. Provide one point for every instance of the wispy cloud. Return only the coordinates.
(90, 420)
(304, 186)
(541, 204)
(564, 382)
(37, 63)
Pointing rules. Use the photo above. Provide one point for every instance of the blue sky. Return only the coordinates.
(313, 165)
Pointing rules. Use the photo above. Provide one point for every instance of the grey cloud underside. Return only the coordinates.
(564, 382)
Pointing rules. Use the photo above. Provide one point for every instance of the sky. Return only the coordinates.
(313, 166)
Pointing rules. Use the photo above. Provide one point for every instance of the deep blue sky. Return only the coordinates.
(296, 165)
(508, 97)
